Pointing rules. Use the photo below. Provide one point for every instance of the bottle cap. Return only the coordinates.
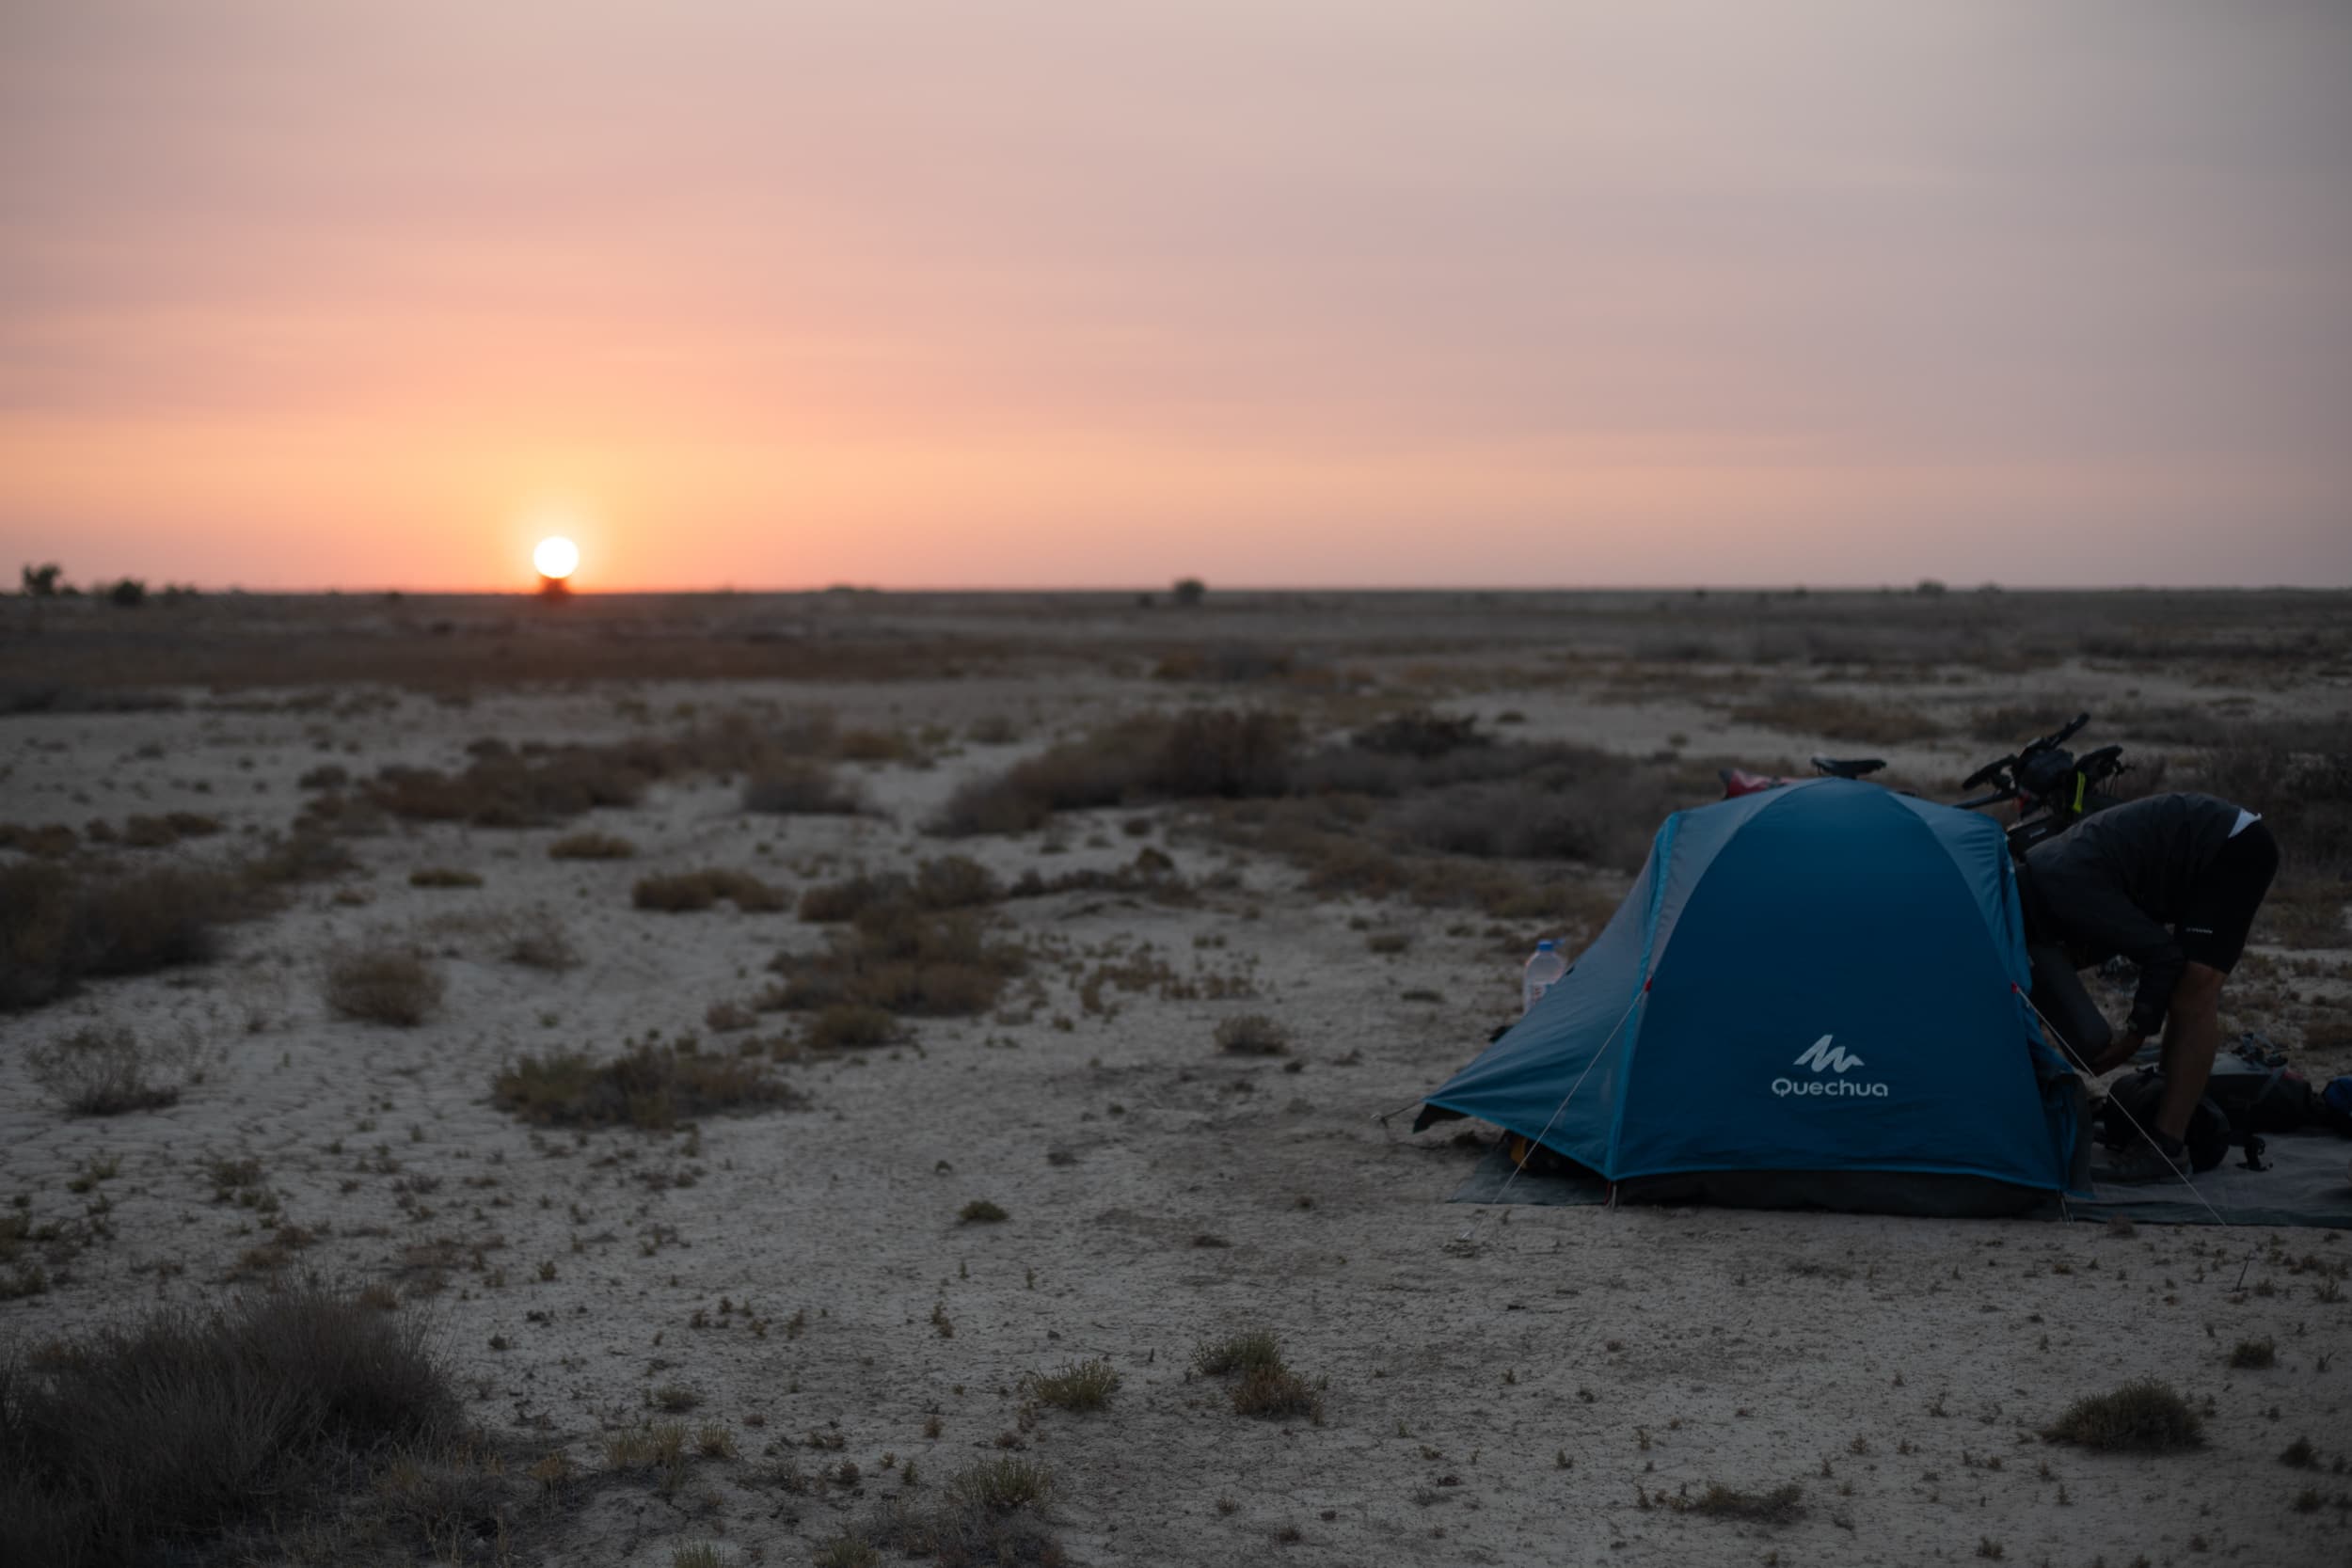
(1546, 946)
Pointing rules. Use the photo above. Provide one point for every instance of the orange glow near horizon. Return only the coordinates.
(737, 295)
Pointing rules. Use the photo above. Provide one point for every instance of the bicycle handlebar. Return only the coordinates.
(1986, 774)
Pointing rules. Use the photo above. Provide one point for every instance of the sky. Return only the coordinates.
(1330, 292)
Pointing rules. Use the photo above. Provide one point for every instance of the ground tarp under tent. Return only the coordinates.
(2306, 1185)
(1812, 997)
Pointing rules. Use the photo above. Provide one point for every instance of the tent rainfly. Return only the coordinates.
(1814, 996)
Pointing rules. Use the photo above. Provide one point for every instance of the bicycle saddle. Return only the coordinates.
(1847, 768)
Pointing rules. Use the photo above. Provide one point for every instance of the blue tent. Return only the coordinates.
(1813, 996)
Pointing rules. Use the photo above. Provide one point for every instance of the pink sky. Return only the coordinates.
(774, 295)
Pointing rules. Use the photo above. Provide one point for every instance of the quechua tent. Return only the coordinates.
(1814, 996)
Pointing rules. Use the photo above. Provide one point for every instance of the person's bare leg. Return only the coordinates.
(2192, 1034)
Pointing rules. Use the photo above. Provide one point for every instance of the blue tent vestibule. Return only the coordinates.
(1811, 996)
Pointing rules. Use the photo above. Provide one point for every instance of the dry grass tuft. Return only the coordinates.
(1266, 1389)
(148, 1441)
(686, 891)
(849, 1026)
(1275, 1394)
(1253, 1034)
(382, 985)
(1780, 1506)
(652, 1087)
(799, 789)
(105, 1073)
(1002, 1485)
(982, 1212)
(2144, 1416)
(1078, 1385)
(590, 847)
(539, 940)
(1198, 753)
(902, 960)
(948, 882)
(992, 1515)
(443, 875)
(57, 929)
(1245, 1352)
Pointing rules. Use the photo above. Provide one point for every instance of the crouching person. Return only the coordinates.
(2171, 882)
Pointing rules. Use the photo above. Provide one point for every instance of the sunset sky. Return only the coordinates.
(762, 293)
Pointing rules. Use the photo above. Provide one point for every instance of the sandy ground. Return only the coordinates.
(1503, 1386)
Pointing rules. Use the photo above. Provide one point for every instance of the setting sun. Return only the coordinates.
(556, 556)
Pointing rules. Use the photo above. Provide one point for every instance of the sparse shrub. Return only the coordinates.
(1253, 1034)
(50, 841)
(2254, 1355)
(503, 789)
(1202, 752)
(102, 1072)
(799, 789)
(1188, 591)
(982, 1212)
(1778, 1506)
(652, 1086)
(847, 1025)
(872, 746)
(539, 940)
(832, 902)
(382, 985)
(128, 593)
(1276, 1393)
(166, 1435)
(1078, 1385)
(989, 1516)
(590, 847)
(443, 875)
(1419, 733)
(902, 960)
(161, 833)
(56, 928)
(303, 856)
(1237, 1353)
(2142, 1416)
(658, 1449)
(955, 882)
(697, 1554)
(2299, 1455)
(699, 890)
(723, 1017)
(1001, 1485)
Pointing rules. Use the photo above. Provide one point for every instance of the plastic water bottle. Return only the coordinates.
(1544, 971)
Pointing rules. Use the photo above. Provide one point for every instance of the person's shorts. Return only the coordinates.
(2222, 903)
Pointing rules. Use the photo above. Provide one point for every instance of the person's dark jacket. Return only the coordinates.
(2119, 880)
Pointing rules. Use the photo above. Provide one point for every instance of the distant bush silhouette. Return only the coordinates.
(41, 582)
(127, 594)
(1190, 592)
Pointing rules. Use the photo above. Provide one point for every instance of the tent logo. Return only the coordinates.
(1821, 1056)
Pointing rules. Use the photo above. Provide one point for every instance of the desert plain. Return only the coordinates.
(1021, 1002)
